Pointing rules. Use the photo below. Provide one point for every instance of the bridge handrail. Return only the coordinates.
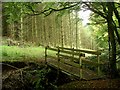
(96, 52)
(76, 52)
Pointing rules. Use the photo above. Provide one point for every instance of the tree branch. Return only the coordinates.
(50, 10)
(116, 13)
(95, 11)
(116, 32)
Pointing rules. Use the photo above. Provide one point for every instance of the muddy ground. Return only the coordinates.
(25, 76)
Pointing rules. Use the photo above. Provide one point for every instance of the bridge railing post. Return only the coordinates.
(58, 57)
(98, 67)
(72, 55)
(80, 63)
(46, 54)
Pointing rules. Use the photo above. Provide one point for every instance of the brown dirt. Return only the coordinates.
(93, 84)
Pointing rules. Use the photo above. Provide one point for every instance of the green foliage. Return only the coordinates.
(41, 80)
(14, 10)
(61, 13)
(99, 28)
(102, 37)
(48, 5)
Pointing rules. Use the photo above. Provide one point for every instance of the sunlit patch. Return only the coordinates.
(84, 15)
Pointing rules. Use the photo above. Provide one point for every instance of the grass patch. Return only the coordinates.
(15, 53)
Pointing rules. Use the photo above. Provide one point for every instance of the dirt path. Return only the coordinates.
(93, 84)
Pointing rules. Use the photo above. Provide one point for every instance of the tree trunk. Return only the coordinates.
(113, 69)
(62, 36)
(70, 41)
(17, 30)
(44, 29)
(76, 30)
(21, 28)
(5, 28)
(36, 28)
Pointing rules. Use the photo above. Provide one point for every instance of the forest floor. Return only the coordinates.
(11, 77)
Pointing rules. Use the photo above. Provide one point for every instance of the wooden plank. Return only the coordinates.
(71, 52)
(90, 62)
(66, 48)
(89, 51)
(86, 73)
(65, 67)
(53, 49)
(68, 57)
(84, 50)
(84, 61)
(70, 63)
(79, 50)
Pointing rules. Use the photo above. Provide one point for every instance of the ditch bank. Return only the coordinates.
(38, 76)
(31, 76)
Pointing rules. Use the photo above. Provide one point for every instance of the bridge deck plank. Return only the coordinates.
(86, 74)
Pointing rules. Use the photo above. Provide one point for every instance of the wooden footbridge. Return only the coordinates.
(73, 62)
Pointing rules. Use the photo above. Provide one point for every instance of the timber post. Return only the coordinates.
(58, 57)
(98, 68)
(46, 54)
(80, 63)
(72, 54)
